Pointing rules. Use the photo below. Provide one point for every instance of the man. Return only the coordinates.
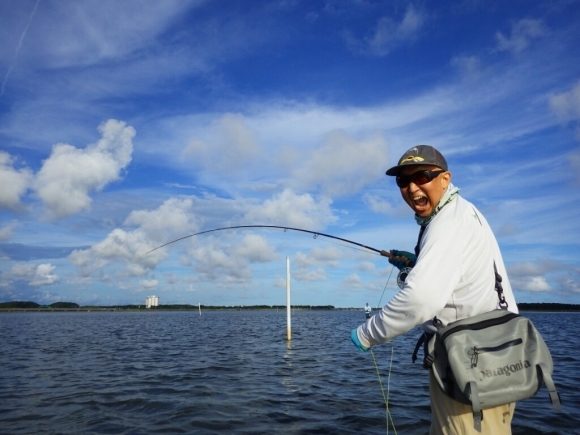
(452, 278)
(368, 310)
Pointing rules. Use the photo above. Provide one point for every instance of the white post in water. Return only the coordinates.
(288, 309)
(199, 305)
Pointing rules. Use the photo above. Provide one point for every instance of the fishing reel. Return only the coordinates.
(402, 276)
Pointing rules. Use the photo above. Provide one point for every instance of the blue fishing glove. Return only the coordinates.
(401, 259)
(356, 341)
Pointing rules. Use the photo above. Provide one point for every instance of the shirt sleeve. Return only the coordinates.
(428, 287)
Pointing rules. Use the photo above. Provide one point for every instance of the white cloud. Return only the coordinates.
(254, 249)
(344, 165)
(7, 230)
(230, 145)
(171, 219)
(289, 208)
(544, 276)
(14, 182)
(35, 274)
(214, 262)
(319, 256)
(389, 33)
(382, 206)
(353, 281)
(366, 266)
(533, 284)
(522, 33)
(70, 174)
(309, 275)
(44, 276)
(149, 284)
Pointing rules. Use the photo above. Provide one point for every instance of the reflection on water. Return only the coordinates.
(233, 372)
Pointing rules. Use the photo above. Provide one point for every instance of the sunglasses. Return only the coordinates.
(419, 178)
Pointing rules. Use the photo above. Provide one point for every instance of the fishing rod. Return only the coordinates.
(401, 278)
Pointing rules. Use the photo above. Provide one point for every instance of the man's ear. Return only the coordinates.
(445, 179)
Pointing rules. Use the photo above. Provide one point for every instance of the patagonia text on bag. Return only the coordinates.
(491, 359)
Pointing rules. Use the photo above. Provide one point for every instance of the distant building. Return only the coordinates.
(151, 301)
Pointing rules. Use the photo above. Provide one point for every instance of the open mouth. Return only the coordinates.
(420, 201)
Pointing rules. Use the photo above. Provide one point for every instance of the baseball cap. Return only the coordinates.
(419, 155)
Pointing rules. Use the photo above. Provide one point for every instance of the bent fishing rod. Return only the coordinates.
(402, 276)
(315, 233)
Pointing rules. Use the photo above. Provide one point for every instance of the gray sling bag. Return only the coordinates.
(491, 359)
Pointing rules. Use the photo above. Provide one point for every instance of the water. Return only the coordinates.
(234, 372)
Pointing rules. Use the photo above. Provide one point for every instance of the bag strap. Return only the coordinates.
(421, 231)
(544, 374)
(499, 289)
(476, 406)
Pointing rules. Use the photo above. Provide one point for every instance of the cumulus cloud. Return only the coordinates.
(229, 263)
(6, 231)
(521, 35)
(36, 274)
(289, 208)
(343, 165)
(171, 219)
(353, 281)
(229, 147)
(220, 259)
(14, 182)
(255, 249)
(70, 174)
(544, 276)
(319, 256)
(310, 275)
(149, 284)
(380, 205)
(389, 34)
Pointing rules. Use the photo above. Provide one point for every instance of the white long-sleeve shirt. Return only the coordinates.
(453, 278)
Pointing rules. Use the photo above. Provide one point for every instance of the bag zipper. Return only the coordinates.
(480, 350)
(481, 325)
(475, 351)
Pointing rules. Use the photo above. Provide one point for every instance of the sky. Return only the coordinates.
(126, 125)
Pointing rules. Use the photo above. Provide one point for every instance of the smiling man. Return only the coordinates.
(452, 278)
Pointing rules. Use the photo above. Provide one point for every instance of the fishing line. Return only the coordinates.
(385, 397)
(388, 279)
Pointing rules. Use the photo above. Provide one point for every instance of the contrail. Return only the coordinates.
(18, 48)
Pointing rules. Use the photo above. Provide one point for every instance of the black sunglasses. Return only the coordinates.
(419, 177)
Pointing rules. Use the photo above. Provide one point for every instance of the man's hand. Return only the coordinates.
(401, 259)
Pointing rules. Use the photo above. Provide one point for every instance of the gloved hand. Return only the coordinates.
(401, 259)
(356, 341)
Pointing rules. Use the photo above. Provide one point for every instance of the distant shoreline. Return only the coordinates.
(70, 307)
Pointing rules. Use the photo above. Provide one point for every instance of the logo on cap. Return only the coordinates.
(409, 159)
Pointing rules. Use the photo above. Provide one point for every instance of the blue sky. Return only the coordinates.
(124, 125)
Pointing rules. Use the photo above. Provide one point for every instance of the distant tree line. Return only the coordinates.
(27, 304)
(546, 306)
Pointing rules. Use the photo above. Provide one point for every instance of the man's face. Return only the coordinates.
(425, 197)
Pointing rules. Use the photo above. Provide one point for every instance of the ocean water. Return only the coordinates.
(165, 372)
